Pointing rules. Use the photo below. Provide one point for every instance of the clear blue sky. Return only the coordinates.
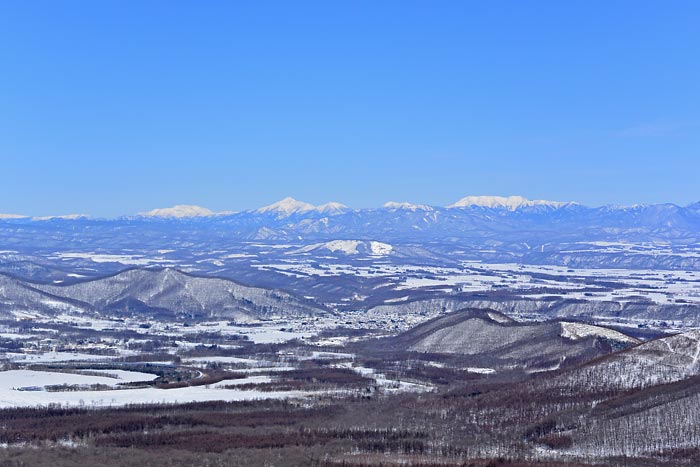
(114, 107)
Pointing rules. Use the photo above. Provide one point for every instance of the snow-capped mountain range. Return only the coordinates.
(290, 206)
(179, 211)
(483, 228)
(499, 202)
(485, 219)
(408, 206)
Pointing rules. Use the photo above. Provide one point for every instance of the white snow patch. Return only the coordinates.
(380, 249)
(576, 331)
(499, 318)
(13, 380)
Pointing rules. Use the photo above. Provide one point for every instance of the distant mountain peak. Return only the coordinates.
(331, 208)
(12, 216)
(180, 211)
(501, 202)
(406, 206)
(71, 217)
(288, 206)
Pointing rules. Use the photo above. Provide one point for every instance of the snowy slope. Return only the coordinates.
(331, 208)
(576, 331)
(660, 361)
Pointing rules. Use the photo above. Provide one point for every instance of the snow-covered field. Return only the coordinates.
(387, 384)
(121, 397)
(135, 260)
(658, 286)
(18, 379)
(27, 388)
(53, 357)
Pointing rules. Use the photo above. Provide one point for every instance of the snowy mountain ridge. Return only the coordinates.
(407, 206)
(499, 202)
(288, 206)
(180, 211)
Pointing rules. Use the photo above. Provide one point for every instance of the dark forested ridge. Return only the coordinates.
(595, 412)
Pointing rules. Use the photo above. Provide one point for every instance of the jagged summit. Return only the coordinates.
(289, 206)
(332, 208)
(511, 202)
(180, 211)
